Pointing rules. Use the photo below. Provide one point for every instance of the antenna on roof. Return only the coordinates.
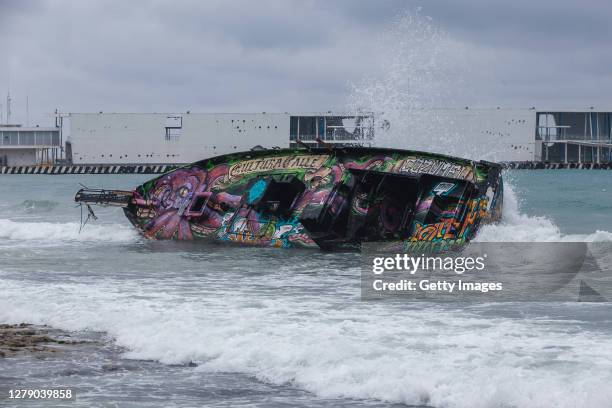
(8, 107)
(8, 99)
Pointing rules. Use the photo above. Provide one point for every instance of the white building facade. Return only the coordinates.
(502, 135)
(170, 138)
(120, 138)
(24, 146)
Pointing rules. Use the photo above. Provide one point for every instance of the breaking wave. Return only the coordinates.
(330, 344)
(414, 355)
(64, 232)
(519, 227)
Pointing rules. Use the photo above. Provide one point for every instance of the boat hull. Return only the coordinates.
(323, 198)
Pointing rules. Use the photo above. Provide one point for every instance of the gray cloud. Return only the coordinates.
(292, 55)
(526, 23)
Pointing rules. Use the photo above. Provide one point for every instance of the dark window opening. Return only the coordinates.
(367, 206)
(385, 205)
(275, 195)
(198, 204)
(382, 206)
(442, 199)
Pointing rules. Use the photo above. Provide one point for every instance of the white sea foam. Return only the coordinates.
(63, 232)
(519, 227)
(417, 355)
(333, 346)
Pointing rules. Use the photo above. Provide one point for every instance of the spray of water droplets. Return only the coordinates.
(418, 75)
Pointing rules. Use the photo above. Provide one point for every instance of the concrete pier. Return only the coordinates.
(530, 165)
(90, 169)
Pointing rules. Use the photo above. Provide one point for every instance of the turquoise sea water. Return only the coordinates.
(577, 201)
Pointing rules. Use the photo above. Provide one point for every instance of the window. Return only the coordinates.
(43, 138)
(275, 196)
(308, 128)
(11, 138)
(349, 128)
(198, 203)
(174, 127)
(26, 138)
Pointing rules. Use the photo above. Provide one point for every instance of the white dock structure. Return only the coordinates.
(148, 142)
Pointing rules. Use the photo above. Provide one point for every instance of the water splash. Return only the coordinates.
(519, 227)
(419, 78)
(420, 67)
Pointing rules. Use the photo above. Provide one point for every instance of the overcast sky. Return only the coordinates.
(260, 55)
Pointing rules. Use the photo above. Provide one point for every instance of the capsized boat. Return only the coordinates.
(331, 198)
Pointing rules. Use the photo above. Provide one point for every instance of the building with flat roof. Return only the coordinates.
(494, 134)
(572, 136)
(23, 146)
(171, 138)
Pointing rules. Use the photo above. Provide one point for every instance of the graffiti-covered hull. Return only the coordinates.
(325, 198)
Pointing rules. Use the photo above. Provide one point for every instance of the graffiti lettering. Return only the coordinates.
(445, 229)
(277, 163)
(435, 167)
